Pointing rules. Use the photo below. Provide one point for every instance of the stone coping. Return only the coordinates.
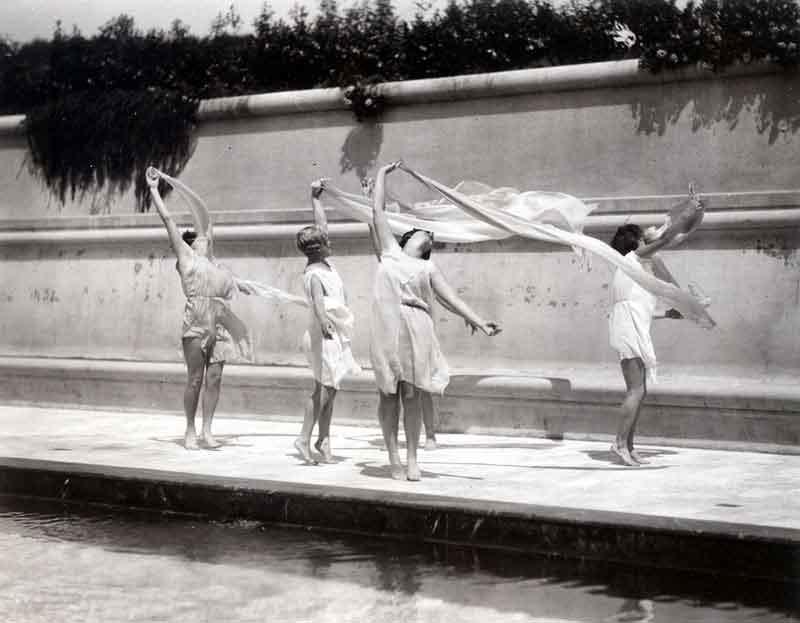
(432, 502)
(93, 230)
(587, 534)
(745, 209)
(609, 74)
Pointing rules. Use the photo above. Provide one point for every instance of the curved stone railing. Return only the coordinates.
(611, 74)
(714, 221)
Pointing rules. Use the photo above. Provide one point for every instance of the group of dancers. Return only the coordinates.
(405, 353)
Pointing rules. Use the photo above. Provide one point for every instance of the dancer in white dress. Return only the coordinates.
(211, 331)
(629, 330)
(330, 329)
(404, 349)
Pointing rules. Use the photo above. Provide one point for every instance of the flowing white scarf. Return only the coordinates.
(474, 212)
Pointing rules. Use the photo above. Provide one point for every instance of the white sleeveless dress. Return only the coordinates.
(330, 360)
(403, 345)
(631, 316)
(208, 288)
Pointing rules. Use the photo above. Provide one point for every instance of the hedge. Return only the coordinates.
(370, 43)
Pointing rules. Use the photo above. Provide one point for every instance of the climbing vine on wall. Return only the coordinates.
(87, 142)
(364, 98)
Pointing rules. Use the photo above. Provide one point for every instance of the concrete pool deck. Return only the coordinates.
(709, 510)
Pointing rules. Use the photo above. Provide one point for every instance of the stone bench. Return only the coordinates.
(550, 400)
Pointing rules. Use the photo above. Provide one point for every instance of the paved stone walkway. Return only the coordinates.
(758, 492)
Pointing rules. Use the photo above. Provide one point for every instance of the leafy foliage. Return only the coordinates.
(80, 144)
(364, 99)
(353, 49)
(342, 48)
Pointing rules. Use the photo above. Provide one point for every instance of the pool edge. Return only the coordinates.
(655, 541)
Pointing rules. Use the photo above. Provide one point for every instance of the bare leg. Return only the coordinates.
(643, 377)
(210, 400)
(428, 416)
(303, 442)
(634, 372)
(195, 366)
(323, 444)
(412, 422)
(389, 417)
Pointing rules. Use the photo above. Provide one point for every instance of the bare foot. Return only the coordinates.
(637, 457)
(413, 472)
(190, 440)
(398, 473)
(623, 455)
(304, 448)
(430, 443)
(323, 446)
(207, 441)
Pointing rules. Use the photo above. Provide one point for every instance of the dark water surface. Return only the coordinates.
(72, 564)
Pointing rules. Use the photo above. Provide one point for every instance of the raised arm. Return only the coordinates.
(683, 219)
(383, 237)
(368, 191)
(320, 218)
(649, 249)
(182, 250)
(447, 296)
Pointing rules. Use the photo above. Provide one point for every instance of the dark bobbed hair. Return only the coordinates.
(407, 236)
(311, 239)
(626, 239)
(189, 237)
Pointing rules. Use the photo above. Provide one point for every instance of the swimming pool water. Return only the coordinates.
(72, 564)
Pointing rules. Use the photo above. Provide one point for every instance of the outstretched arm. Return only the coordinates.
(320, 218)
(448, 297)
(453, 310)
(182, 250)
(383, 238)
(661, 271)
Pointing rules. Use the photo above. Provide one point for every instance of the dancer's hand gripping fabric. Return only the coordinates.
(317, 186)
(682, 220)
(152, 176)
(393, 166)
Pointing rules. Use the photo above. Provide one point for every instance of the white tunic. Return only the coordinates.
(404, 346)
(330, 360)
(631, 315)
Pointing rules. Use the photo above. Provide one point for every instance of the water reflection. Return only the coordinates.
(71, 564)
